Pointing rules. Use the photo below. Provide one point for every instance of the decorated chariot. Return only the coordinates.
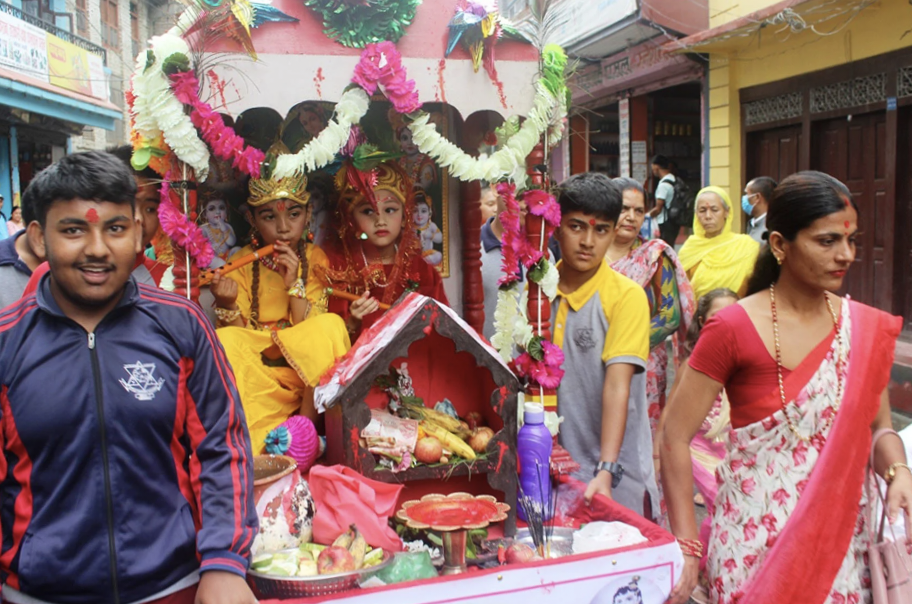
(456, 97)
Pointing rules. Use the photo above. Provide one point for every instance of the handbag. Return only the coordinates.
(889, 561)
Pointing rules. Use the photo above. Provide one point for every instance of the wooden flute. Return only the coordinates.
(205, 277)
(350, 297)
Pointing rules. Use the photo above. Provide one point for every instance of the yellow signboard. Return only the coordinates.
(68, 66)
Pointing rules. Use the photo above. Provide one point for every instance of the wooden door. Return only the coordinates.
(773, 153)
(903, 267)
(854, 151)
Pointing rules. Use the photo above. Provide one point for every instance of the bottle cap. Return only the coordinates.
(533, 413)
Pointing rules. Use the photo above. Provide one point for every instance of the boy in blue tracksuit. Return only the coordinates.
(126, 472)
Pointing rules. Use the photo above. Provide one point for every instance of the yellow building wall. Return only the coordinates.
(771, 55)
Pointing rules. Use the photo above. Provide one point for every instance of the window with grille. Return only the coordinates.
(110, 24)
(82, 18)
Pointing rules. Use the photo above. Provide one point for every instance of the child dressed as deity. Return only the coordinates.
(428, 232)
(376, 255)
(272, 312)
(217, 230)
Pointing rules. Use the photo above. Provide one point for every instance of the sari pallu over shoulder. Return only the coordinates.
(802, 565)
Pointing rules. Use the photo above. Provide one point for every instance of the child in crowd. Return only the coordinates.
(374, 256)
(272, 312)
(601, 322)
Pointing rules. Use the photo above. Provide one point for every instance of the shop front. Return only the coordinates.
(799, 99)
(52, 86)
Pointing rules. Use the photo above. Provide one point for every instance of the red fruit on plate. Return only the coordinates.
(519, 553)
(480, 439)
(428, 450)
(334, 560)
(474, 420)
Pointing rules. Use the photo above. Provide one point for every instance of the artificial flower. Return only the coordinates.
(550, 281)
(547, 372)
(541, 203)
(182, 231)
(506, 314)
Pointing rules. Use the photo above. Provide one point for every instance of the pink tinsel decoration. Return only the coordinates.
(381, 64)
(181, 230)
(224, 142)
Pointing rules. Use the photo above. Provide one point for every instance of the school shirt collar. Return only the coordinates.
(583, 293)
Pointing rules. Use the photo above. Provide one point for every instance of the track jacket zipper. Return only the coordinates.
(109, 500)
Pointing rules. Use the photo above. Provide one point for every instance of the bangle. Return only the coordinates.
(227, 316)
(691, 547)
(890, 474)
(297, 290)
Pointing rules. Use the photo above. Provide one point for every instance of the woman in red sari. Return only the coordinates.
(377, 254)
(806, 373)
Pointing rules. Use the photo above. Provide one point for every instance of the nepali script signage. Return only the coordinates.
(23, 47)
(630, 68)
(31, 51)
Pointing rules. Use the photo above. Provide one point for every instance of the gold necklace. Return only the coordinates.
(839, 367)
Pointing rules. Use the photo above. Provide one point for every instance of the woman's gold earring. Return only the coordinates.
(778, 260)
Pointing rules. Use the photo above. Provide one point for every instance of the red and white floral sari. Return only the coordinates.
(789, 520)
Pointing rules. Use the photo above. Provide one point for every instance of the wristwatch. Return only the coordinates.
(612, 467)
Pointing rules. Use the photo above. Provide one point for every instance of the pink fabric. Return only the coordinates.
(343, 497)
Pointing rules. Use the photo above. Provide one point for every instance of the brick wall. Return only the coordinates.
(153, 19)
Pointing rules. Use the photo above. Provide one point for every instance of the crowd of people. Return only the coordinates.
(769, 365)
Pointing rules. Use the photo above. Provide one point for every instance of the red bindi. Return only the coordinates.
(846, 224)
(92, 215)
(280, 206)
(592, 221)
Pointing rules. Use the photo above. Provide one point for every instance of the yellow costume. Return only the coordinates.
(273, 391)
(726, 260)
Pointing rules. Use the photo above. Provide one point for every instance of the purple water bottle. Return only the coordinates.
(533, 447)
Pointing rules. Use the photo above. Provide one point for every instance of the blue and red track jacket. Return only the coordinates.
(126, 461)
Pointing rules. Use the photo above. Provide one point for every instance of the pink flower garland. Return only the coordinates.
(546, 372)
(224, 142)
(381, 64)
(181, 230)
(513, 243)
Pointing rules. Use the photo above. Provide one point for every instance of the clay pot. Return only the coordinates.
(269, 468)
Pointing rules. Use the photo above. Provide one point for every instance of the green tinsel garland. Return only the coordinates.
(355, 23)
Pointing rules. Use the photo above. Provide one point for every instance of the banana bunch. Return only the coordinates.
(354, 542)
(449, 440)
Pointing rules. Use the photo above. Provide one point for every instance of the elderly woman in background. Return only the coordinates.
(714, 256)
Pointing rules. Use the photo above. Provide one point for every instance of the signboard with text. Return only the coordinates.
(23, 47)
(75, 69)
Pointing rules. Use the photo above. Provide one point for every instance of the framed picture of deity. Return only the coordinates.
(386, 129)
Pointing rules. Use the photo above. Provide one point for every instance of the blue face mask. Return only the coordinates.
(746, 204)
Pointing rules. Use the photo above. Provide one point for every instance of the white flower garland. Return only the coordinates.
(323, 149)
(507, 163)
(157, 111)
(511, 326)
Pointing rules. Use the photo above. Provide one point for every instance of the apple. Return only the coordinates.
(474, 420)
(519, 552)
(335, 559)
(480, 439)
(428, 450)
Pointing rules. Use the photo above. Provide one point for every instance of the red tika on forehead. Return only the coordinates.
(280, 206)
(592, 221)
(846, 224)
(92, 215)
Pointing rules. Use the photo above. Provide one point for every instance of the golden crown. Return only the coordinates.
(389, 177)
(266, 189)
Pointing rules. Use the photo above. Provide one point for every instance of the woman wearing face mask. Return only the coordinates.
(714, 256)
(806, 373)
(272, 312)
(653, 265)
(377, 254)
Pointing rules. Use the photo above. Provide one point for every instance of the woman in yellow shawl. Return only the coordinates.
(713, 256)
(272, 313)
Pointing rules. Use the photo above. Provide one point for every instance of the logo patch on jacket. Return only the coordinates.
(142, 383)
